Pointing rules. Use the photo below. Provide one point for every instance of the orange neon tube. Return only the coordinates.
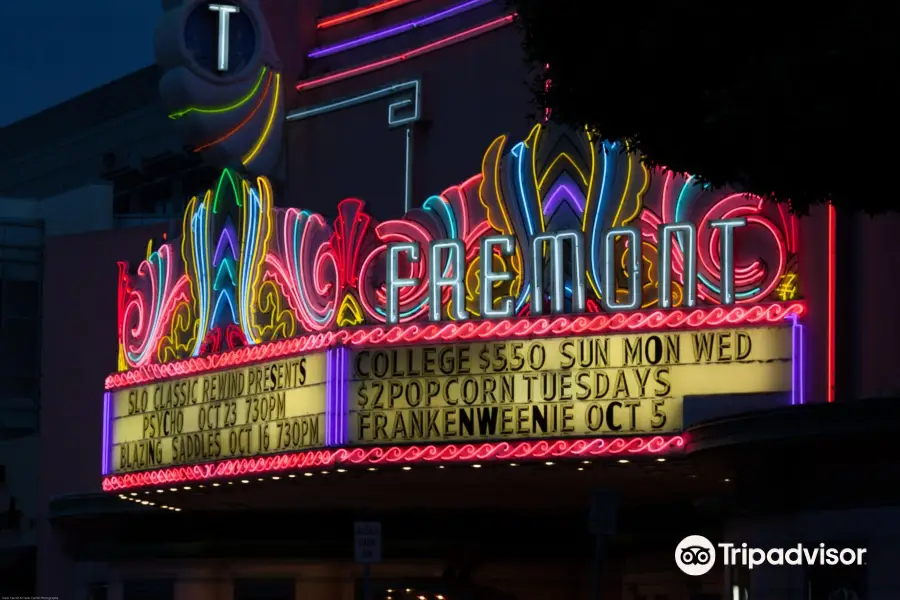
(359, 13)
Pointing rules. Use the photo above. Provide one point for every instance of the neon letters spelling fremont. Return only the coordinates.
(556, 212)
(546, 256)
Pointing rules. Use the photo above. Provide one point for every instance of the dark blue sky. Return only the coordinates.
(52, 50)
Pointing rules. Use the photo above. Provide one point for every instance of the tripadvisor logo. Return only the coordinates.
(695, 555)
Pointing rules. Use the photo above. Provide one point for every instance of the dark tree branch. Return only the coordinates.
(797, 102)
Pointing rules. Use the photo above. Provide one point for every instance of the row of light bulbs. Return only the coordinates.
(549, 463)
(136, 500)
(419, 597)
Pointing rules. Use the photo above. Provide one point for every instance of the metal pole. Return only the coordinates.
(367, 582)
(598, 568)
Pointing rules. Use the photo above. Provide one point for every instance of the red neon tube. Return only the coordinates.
(359, 13)
(832, 273)
(434, 454)
(398, 58)
(466, 331)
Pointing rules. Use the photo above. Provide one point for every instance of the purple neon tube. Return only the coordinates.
(107, 432)
(336, 397)
(227, 236)
(557, 195)
(329, 396)
(396, 29)
(343, 375)
(798, 361)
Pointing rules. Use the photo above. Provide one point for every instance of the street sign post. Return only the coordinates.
(367, 550)
(367, 542)
(602, 522)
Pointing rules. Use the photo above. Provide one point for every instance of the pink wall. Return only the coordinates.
(79, 351)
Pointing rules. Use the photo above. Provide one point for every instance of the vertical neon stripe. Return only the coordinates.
(832, 273)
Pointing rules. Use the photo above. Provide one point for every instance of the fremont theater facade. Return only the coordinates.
(535, 362)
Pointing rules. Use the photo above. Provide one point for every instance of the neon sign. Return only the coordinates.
(224, 32)
(585, 223)
(549, 247)
(223, 50)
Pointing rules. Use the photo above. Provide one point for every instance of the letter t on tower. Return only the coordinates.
(225, 11)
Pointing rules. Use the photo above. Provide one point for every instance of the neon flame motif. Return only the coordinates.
(224, 246)
(312, 286)
(146, 304)
(771, 232)
(251, 273)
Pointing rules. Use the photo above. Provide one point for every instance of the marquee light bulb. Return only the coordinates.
(574, 448)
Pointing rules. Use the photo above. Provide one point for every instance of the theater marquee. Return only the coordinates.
(244, 412)
(565, 292)
(611, 385)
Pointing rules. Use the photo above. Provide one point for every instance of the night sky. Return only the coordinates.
(83, 44)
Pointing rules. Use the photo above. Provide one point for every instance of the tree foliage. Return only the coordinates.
(794, 102)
